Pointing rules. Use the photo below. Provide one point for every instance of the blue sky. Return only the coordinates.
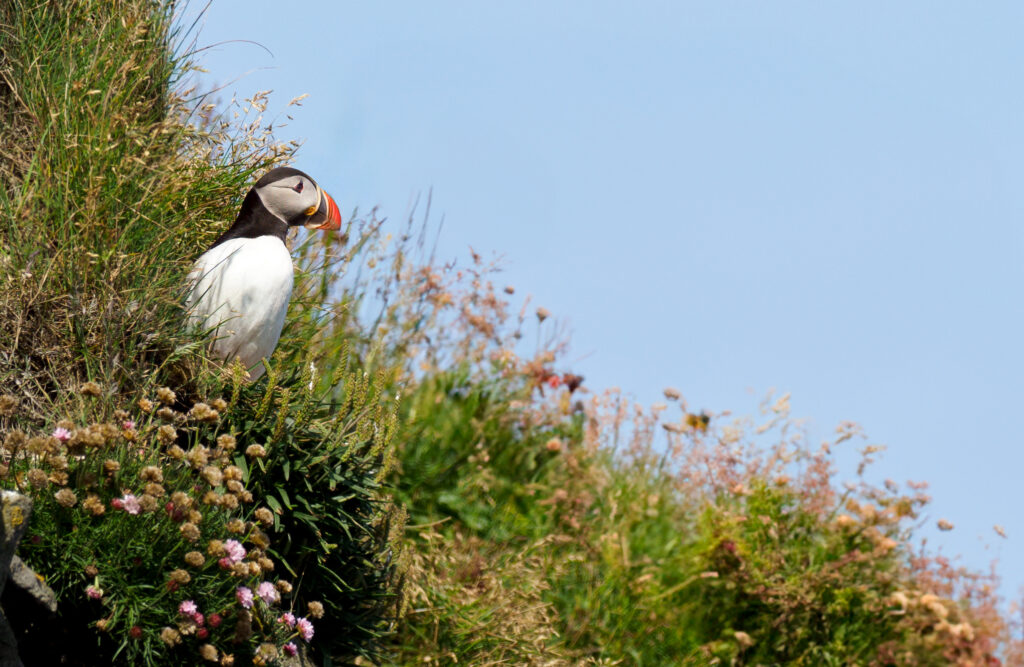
(822, 198)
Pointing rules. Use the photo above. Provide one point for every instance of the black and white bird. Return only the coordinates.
(239, 289)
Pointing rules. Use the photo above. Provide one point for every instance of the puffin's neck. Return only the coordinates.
(254, 220)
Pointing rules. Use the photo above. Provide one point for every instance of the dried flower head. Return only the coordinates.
(943, 524)
(195, 559)
(145, 405)
(190, 531)
(90, 389)
(208, 652)
(8, 405)
(316, 609)
(198, 456)
(180, 576)
(204, 413)
(148, 503)
(37, 478)
(167, 434)
(284, 586)
(266, 565)
(168, 414)
(170, 636)
(110, 467)
(543, 314)
(155, 490)
(227, 442)
(213, 475)
(151, 474)
(66, 498)
(93, 505)
(176, 452)
(166, 396)
(256, 451)
(219, 404)
(264, 516)
(236, 526)
(229, 501)
(234, 486)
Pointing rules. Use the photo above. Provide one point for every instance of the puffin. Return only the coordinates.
(239, 289)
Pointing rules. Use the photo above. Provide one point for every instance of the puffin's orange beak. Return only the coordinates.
(327, 216)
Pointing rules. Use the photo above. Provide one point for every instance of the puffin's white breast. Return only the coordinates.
(240, 293)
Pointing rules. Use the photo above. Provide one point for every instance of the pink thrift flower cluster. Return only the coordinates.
(268, 593)
(235, 554)
(288, 619)
(62, 434)
(305, 628)
(128, 502)
(94, 592)
(244, 596)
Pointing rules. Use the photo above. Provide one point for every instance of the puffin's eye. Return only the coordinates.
(298, 188)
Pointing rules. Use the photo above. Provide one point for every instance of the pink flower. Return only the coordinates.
(290, 648)
(198, 618)
(225, 563)
(244, 596)
(131, 504)
(288, 619)
(187, 608)
(117, 504)
(267, 592)
(128, 424)
(305, 628)
(235, 550)
(61, 434)
(215, 620)
(94, 592)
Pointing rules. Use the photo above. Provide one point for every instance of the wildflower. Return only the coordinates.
(128, 502)
(944, 525)
(208, 652)
(256, 451)
(135, 632)
(672, 394)
(198, 618)
(216, 548)
(90, 389)
(305, 628)
(195, 559)
(195, 517)
(288, 619)
(260, 539)
(232, 472)
(170, 636)
(265, 654)
(155, 490)
(244, 596)
(543, 314)
(267, 592)
(266, 565)
(187, 608)
(219, 404)
(94, 592)
(553, 445)
(227, 443)
(245, 496)
(743, 639)
(166, 396)
(229, 501)
(215, 620)
(190, 531)
(316, 609)
(128, 425)
(284, 586)
(290, 649)
(145, 405)
(227, 660)
(66, 498)
(234, 550)
(91, 570)
(61, 434)
(554, 381)
(176, 452)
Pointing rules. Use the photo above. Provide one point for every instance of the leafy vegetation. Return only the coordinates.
(409, 479)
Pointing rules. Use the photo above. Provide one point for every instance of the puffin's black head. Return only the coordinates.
(283, 198)
(292, 196)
